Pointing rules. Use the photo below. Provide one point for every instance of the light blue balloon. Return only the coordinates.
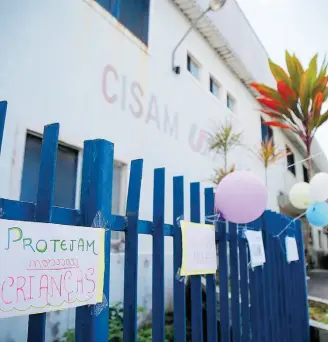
(317, 214)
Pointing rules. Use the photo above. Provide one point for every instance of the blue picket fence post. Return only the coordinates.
(304, 324)
(3, 111)
(43, 212)
(158, 256)
(211, 300)
(195, 281)
(131, 253)
(224, 283)
(244, 287)
(96, 200)
(179, 288)
(234, 277)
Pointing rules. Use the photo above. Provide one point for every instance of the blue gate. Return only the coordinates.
(265, 304)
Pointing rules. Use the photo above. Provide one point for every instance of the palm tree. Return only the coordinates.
(268, 154)
(222, 141)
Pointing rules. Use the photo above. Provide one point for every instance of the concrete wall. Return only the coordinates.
(71, 62)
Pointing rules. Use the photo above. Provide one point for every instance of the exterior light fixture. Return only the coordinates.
(214, 5)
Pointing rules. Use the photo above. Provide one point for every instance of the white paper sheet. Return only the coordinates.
(291, 249)
(256, 247)
(199, 249)
(48, 267)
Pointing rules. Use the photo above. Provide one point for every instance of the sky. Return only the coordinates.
(299, 26)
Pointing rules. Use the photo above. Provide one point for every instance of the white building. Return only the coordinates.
(105, 73)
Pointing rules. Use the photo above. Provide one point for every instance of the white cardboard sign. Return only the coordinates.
(49, 267)
(291, 249)
(256, 248)
(198, 249)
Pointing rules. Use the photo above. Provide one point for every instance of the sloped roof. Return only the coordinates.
(230, 34)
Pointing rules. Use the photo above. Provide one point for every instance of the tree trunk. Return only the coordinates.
(307, 224)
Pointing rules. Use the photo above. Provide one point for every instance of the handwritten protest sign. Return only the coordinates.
(198, 249)
(256, 247)
(49, 267)
(291, 249)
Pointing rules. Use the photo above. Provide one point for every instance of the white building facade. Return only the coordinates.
(105, 71)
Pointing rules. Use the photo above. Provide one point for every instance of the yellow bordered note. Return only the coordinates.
(198, 249)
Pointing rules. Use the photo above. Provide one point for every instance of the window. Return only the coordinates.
(117, 195)
(231, 103)
(290, 161)
(193, 66)
(66, 171)
(133, 14)
(305, 174)
(66, 177)
(319, 239)
(214, 87)
(267, 132)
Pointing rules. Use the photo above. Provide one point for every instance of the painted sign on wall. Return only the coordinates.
(48, 267)
(130, 96)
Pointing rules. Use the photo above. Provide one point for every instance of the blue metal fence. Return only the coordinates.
(265, 304)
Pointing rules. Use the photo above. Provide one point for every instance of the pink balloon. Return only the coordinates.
(241, 197)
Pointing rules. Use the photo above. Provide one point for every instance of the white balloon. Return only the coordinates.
(319, 187)
(299, 195)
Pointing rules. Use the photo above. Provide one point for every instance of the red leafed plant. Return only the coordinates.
(296, 103)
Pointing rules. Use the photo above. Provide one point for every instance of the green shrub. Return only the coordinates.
(116, 327)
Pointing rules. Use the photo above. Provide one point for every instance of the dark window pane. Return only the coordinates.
(305, 174)
(116, 190)
(188, 63)
(66, 169)
(214, 87)
(133, 14)
(230, 102)
(266, 131)
(192, 67)
(291, 161)
(31, 168)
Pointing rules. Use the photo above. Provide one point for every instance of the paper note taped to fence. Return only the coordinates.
(256, 248)
(198, 249)
(291, 249)
(48, 267)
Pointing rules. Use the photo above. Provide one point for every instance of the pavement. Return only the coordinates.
(318, 284)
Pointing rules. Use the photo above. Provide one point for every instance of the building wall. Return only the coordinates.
(71, 62)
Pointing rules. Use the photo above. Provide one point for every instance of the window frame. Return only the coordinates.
(192, 60)
(306, 177)
(291, 169)
(122, 195)
(115, 11)
(213, 80)
(60, 144)
(234, 102)
(319, 239)
(123, 178)
(269, 131)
